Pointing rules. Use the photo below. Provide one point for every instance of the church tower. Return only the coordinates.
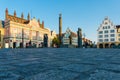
(60, 28)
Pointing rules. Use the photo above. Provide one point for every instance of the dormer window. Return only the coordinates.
(106, 23)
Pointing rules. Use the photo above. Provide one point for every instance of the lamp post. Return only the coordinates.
(22, 38)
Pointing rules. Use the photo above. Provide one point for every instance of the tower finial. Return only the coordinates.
(38, 20)
(15, 13)
(60, 15)
(42, 24)
(6, 13)
(6, 10)
(22, 15)
(106, 18)
(28, 16)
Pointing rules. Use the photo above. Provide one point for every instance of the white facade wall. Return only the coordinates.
(108, 32)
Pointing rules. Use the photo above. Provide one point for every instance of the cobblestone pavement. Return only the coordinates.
(59, 64)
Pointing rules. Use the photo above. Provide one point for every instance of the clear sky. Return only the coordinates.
(86, 14)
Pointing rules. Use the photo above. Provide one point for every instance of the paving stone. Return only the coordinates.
(59, 64)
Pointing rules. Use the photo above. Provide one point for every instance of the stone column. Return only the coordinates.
(60, 28)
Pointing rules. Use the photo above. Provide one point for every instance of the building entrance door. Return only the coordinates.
(45, 40)
(14, 44)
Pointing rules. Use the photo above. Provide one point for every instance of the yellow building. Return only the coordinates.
(20, 32)
(1, 34)
(118, 35)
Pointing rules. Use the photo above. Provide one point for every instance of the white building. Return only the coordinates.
(106, 34)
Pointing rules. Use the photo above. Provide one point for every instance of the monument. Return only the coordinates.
(79, 33)
(60, 29)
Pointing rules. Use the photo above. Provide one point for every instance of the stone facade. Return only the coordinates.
(1, 34)
(107, 34)
(70, 38)
(20, 31)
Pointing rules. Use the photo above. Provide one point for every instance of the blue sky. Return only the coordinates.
(86, 14)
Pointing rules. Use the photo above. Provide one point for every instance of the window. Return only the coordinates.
(106, 31)
(103, 27)
(112, 31)
(100, 36)
(100, 40)
(112, 39)
(100, 32)
(108, 27)
(106, 40)
(119, 35)
(0, 36)
(106, 23)
(112, 35)
(106, 35)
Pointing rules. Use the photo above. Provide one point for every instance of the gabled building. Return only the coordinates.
(106, 34)
(69, 38)
(21, 32)
(1, 34)
(118, 35)
(86, 42)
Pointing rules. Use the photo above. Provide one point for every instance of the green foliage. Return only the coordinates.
(55, 41)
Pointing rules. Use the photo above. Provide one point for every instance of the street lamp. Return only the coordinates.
(22, 38)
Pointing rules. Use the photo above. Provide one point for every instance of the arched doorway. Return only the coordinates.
(106, 45)
(118, 46)
(112, 45)
(100, 45)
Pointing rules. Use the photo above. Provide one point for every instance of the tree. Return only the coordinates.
(56, 42)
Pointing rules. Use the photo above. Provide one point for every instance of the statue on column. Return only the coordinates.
(79, 33)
